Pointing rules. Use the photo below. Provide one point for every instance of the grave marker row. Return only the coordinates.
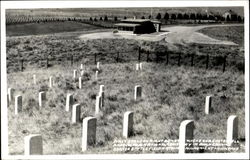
(34, 146)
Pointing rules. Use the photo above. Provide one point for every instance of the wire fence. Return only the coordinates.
(169, 58)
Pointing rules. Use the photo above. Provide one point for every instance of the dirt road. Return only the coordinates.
(173, 35)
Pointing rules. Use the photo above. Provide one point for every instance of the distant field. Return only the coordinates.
(120, 12)
(228, 33)
(47, 28)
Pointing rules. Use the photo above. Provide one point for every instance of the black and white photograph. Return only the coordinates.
(125, 79)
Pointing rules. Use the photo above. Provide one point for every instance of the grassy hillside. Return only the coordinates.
(228, 33)
(170, 95)
(59, 47)
(47, 28)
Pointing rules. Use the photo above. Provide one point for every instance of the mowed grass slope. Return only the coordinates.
(228, 33)
(47, 28)
(170, 95)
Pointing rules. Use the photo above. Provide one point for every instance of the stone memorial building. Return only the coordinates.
(139, 26)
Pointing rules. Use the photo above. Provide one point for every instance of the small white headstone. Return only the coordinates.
(88, 132)
(33, 145)
(128, 123)
(232, 129)
(208, 104)
(98, 65)
(137, 67)
(96, 75)
(101, 88)
(101, 93)
(42, 98)
(140, 66)
(76, 113)
(10, 94)
(138, 92)
(8, 103)
(82, 72)
(18, 104)
(81, 66)
(74, 73)
(69, 102)
(50, 81)
(186, 133)
(80, 82)
(98, 104)
(34, 79)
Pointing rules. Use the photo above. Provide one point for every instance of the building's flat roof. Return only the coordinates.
(156, 22)
(127, 24)
(135, 20)
(140, 20)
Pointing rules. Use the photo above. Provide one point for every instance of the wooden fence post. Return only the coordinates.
(192, 60)
(21, 65)
(224, 63)
(72, 60)
(147, 56)
(117, 58)
(167, 58)
(47, 62)
(139, 54)
(95, 57)
(207, 60)
(243, 70)
(179, 59)
(157, 57)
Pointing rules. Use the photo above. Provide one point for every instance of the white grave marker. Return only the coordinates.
(208, 104)
(96, 75)
(186, 133)
(137, 67)
(140, 66)
(33, 145)
(42, 98)
(82, 72)
(128, 123)
(98, 65)
(74, 74)
(76, 113)
(69, 102)
(18, 104)
(88, 132)
(138, 92)
(101, 93)
(50, 81)
(80, 82)
(11, 94)
(34, 79)
(98, 104)
(232, 129)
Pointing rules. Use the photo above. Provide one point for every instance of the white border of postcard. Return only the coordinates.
(112, 4)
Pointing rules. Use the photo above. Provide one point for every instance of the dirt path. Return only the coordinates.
(189, 34)
(173, 35)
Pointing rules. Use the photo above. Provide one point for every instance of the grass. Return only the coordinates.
(170, 95)
(59, 48)
(47, 28)
(228, 33)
